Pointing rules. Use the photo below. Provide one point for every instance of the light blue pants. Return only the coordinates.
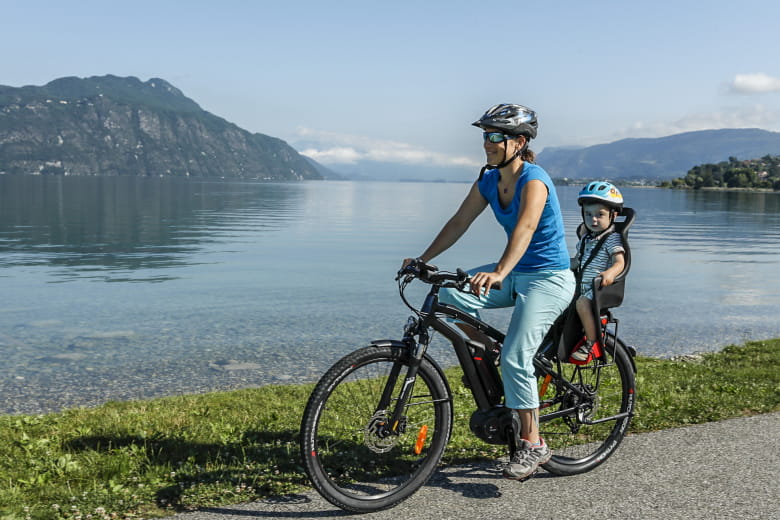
(538, 297)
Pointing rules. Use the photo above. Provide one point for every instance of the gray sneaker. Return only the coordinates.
(526, 460)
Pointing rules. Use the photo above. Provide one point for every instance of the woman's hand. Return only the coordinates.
(408, 261)
(482, 282)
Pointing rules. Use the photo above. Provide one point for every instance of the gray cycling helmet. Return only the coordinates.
(511, 119)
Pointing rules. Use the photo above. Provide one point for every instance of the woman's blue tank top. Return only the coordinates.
(547, 249)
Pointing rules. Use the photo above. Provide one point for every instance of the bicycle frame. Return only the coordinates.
(480, 372)
(378, 422)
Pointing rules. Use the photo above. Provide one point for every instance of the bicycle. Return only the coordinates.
(377, 423)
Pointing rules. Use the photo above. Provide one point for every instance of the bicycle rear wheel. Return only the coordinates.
(589, 433)
(349, 461)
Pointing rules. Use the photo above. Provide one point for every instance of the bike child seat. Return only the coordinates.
(604, 298)
(612, 296)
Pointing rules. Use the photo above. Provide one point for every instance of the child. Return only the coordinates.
(600, 202)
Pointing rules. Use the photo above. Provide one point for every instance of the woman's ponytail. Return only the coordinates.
(528, 155)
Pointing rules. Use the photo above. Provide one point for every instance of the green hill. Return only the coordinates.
(110, 125)
(763, 173)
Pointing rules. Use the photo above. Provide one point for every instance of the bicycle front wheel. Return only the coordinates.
(350, 460)
(584, 429)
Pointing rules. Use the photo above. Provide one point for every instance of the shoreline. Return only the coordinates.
(21, 398)
(204, 451)
(717, 188)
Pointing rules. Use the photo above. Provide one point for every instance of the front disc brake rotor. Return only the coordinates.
(377, 435)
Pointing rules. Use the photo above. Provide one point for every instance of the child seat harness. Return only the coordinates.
(578, 272)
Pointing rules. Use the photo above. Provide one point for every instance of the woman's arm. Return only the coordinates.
(532, 201)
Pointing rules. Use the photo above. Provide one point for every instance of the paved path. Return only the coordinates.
(723, 470)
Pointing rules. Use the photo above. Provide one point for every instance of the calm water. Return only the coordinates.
(118, 288)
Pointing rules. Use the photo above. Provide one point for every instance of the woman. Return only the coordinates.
(533, 268)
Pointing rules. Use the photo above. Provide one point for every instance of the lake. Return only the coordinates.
(126, 288)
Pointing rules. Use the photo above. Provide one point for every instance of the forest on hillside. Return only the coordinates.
(761, 173)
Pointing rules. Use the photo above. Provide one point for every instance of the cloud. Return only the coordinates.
(335, 155)
(334, 148)
(765, 116)
(754, 84)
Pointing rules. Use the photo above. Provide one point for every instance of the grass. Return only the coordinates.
(155, 458)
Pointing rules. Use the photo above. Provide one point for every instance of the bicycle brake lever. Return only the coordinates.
(410, 270)
(417, 268)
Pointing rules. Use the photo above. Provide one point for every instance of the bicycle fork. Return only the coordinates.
(396, 423)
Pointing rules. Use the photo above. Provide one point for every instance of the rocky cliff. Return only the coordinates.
(121, 126)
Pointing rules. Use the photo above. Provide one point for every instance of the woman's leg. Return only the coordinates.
(541, 298)
(471, 304)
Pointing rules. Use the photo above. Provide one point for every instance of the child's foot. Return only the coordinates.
(583, 353)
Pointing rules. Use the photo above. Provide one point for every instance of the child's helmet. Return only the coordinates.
(511, 119)
(601, 192)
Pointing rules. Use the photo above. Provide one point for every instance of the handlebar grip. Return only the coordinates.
(416, 268)
(427, 267)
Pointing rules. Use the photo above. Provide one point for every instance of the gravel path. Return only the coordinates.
(724, 470)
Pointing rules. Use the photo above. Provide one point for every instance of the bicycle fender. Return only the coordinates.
(630, 351)
(388, 343)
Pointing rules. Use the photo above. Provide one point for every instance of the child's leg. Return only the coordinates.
(585, 311)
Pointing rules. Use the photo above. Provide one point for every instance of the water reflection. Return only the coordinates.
(128, 228)
(736, 204)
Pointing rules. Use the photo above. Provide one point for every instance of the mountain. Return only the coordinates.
(659, 158)
(367, 170)
(110, 125)
(326, 173)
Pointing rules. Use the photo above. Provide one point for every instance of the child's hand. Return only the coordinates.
(607, 278)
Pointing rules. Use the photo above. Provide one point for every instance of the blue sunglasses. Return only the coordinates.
(496, 137)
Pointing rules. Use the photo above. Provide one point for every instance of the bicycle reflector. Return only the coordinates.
(545, 384)
(421, 436)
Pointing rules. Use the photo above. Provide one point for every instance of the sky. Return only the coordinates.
(398, 83)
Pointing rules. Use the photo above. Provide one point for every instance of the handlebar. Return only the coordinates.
(419, 270)
(429, 273)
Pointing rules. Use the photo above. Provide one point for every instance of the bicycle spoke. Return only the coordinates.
(356, 461)
(584, 423)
